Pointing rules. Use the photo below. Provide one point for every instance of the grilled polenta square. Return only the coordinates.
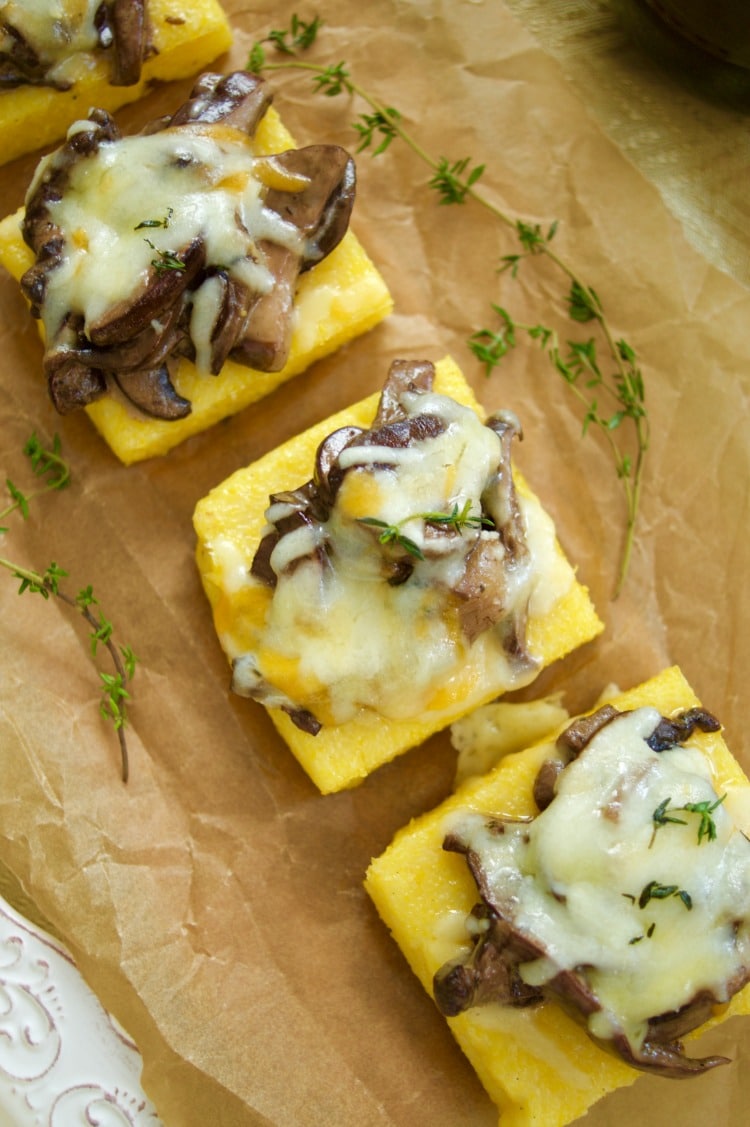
(360, 674)
(539, 1063)
(183, 38)
(225, 268)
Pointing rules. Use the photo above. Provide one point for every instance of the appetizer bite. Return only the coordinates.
(401, 574)
(58, 57)
(579, 910)
(184, 272)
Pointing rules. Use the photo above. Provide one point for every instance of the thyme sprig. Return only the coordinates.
(456, 519)
(456, 182)
(49, 466)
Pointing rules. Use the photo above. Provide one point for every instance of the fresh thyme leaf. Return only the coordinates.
(333, 80)
(490, 347)
(391, 534)
(300, 35)
(453, 182)
(455, 519)
(656, 891)
(165, 259)
(459, 519)
(155, 222)
(20, 499)
(706, 826)
(583, 302)
(382, 122)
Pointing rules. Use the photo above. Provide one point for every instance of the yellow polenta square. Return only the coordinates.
(229, 523)
(538, 1065)
(186, 38)
(338, 299)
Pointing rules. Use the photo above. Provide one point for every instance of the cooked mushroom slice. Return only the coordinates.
(500, 499)
(152, 391)
(319, 212)
(328, 473)
(129, 28)
(73, 385)
(233, 305)
(239, 99)
(403, 376)
(578, 734)
(679, 728)
(483, 588)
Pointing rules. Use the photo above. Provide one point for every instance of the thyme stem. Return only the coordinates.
(49, 465)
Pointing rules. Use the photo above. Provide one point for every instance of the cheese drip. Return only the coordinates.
(576, 880)
(130, 207)
(338, 638)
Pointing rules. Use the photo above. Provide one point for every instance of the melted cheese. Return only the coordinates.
(55, 29)
(186, 183)
(398, 651)
(573, 880)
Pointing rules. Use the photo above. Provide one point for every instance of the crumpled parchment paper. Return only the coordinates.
(216, 902)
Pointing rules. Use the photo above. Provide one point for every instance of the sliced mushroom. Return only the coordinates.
(320, 213)
(403, 376)
(152, 391)
(129, 28)
(239, 99)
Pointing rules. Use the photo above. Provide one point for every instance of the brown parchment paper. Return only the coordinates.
(216, 902)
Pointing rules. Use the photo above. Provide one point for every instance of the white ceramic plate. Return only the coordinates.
(64, 1062)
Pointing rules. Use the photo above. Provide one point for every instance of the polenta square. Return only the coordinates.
(197, 266)
(182, 40)
(649, 965)
(383, 573)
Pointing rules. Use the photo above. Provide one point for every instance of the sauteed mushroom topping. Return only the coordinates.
(177, 242)
(627, 899)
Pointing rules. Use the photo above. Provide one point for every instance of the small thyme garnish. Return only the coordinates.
(455, 519)
(706, 826)
(391, 534)
(656, 891)
(49, 466)
(165, 259)
(156, 222)
(455, 182)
